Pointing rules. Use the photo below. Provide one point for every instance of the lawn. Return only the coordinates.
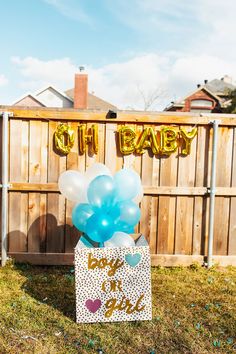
(194, 311)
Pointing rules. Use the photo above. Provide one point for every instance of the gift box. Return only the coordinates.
(113, 283)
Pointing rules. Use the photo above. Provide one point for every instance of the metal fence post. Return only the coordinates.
(5, 184)
(212, 193)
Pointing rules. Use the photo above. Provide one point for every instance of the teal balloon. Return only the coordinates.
(129, 214)
(100, 227)
(127, 184)
(123, 227)
(101, 192)
(114, 212)
(80, 215)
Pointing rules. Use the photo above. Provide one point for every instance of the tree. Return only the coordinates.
(231, 108)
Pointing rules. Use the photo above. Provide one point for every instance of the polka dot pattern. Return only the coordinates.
(106, 294)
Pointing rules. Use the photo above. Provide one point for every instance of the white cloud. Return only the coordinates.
(124, 83)
(170, 76)
(3, 80)
(37, 73)
(119, 83)
(189, 70)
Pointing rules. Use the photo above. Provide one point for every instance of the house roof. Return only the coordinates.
(63, 94)
(35, 95)
(219, 87)
(28, 95)
(94, 102)
(181, 102)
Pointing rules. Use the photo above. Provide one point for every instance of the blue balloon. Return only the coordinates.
(80, 215)
(100, 227)
(101, 192)
(129, 213)
(114, 212)
(127, 184)
(123, 227)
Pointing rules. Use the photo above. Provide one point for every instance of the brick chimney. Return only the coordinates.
(81, 91)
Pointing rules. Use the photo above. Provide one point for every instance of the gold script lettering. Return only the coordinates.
(103, 262)
(124, 305)
(112, 285)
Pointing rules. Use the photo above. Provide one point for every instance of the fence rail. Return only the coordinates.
(175, 207)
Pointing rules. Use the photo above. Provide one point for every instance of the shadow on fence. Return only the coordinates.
(44, 236)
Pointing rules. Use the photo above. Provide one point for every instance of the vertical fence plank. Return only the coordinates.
(18, 172)
(223, 179)
(38, 143)
(145, 217)
(207, 182)
(56, 202)
(167, 205)
(74, 162)
(101, 142)
(91, 158)
(146, 205)
(34, 176)
(153, 225)
(184, 213)
(113, 159)
(232, 227)
(200, 180)
(16, 238)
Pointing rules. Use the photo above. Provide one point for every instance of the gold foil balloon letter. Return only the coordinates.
(127, 140)
(85, 139)
(64, 138)
(168, 140)
(147, 140)
(188, 137)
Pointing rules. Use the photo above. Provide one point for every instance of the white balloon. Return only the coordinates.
(139, 196)
(72, 184)
(128, 184)
(97, 169)
(120, 239)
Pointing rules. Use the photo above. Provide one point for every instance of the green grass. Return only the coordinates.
(194, 311)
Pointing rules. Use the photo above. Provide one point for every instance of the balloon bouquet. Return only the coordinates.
(106, 209)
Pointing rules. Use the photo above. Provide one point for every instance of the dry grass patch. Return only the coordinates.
(194, 311)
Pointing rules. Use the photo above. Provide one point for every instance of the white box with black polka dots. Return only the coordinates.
(113, 284)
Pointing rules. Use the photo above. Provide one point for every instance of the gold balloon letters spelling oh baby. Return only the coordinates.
(163, 140)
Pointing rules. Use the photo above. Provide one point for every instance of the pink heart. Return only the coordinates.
(93, 306)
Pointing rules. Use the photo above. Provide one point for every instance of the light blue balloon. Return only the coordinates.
(120, 239)
(101, 192)
(80, 215)
(127, 184)
(100, 227)
(129, 214)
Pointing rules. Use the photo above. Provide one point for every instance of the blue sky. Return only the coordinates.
(130, 48)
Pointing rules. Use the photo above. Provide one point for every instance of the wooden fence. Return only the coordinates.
(175, 207)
